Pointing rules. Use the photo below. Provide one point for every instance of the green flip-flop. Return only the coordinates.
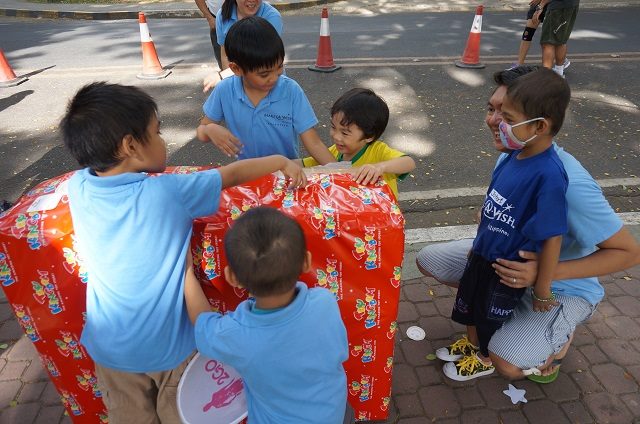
(550, 378)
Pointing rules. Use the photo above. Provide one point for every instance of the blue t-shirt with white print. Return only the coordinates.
(525, 205)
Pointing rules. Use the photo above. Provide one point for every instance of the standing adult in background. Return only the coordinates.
(209, 8)
(559, 20)
(231, 12)
(597, 244)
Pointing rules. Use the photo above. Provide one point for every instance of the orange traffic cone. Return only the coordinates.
(471, 55)
(7, 76)
(151, 67)
(324, 61)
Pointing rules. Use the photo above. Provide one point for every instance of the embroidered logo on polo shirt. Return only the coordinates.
(278, 120)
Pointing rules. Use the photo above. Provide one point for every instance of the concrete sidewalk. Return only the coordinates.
(188, 9)
(598, 383)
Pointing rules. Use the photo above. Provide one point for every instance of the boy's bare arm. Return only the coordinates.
(547, 262)
(316, 148)
(370, 172)
(193, 295)
(247, 170)
(221, 137)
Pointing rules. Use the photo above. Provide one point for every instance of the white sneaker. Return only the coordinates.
(457, 350)
(566, 63)
(467, 368)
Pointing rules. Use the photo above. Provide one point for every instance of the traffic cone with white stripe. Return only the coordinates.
(8, 78)
(471, 56)
(324, 61)
(151, 67)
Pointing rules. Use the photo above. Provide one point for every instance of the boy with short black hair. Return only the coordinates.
(264, 111)
(288, 341)
(525, 209)
(358, 119)
(133, 233)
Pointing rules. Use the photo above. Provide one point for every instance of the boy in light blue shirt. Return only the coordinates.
(288, 341)
(133, 233)
(264, 111)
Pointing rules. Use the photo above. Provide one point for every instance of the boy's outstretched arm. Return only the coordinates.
(370, 172)
(316, 148)
(246, 170)
(193, 295)
(547, 262)
(220, 136)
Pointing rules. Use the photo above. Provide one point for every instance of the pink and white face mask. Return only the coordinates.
(509, 139)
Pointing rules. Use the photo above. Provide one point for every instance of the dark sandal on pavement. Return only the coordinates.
(550, 378)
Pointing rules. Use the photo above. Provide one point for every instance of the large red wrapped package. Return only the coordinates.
(355, 234)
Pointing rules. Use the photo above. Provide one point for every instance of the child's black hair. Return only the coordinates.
(253, 43)
(365, 109)
(509, 76)
(541, 93)
(266, 251)
(98, 118)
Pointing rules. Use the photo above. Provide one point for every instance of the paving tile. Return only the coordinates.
(415, 352)
(49, 415)
(408, 405)
(631, 287)
(13, 370)
(404, 379)
(561, 390)
(593, 354)
(632, 400)
(468, 397)
(587, 382)
(629, 306)
(31, 392)
(582, 336)
(533, 389)
(430, 375)
(573, 361)
(407, 312)
(544, 412)
(35, 372)
(576, 412)
(10, 330)
(414, 420)
(614, 379)
(479, 416)
(600, 329)
(491, 390)
(607, 408)
(9, 392)
(624, 327)
(513, 417)
(4, 353)
(50, 395)
(426, 309)
(444, 305)
(606, 309)
(437, 327)
(6, 313)
(23, 350)
(620, 351)
(439, 402)
(634, 371)
(20, 414)
(416, 292)
(66, 419)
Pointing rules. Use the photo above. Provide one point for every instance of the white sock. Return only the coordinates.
(558, 69)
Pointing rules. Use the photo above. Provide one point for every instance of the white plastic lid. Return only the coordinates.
(416, 333)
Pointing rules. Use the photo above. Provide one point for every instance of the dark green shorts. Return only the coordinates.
(558, 25)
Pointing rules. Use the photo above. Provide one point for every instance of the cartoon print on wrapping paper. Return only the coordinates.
(385, 403)
(47, 362)
(240, 292)
(330, 278)
(326, 215)
(6, 275)
(26, 322)
(235, 212)
(49, 187)
(366, 351)
(185, 170)
(368, 309)
(103, 417)
(29, 223)
(395, 214)
(88, 381)
(69, 345)
(397, 275)
(363, 416)
(389, 365)
(363, 388)
(211, 267)
(393, 327)
(363, 193)
(46, 290)
(69, 402)
(215, 305)
(229, 391)
(72, 260)
(367, 249)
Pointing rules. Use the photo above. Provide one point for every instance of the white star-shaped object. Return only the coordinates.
(516, 395)
(507, 208)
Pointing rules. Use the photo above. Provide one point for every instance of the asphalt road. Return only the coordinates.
(437, 109)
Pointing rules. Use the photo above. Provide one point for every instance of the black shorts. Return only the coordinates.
(482, 301)
(533, 9)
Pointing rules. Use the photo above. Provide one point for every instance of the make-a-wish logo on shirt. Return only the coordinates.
(496, 208)
(278, 120)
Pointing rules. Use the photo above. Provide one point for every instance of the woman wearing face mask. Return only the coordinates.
(596, 244)
(231, 12)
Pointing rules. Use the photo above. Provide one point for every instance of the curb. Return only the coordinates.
(130, 14)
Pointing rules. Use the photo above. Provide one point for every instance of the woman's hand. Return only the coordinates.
(518, 274)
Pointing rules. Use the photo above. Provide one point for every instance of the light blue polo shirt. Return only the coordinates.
(270, 128)
(265, 11)
(133, 234)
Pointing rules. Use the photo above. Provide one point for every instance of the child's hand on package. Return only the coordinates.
(295, 174)
(367, 174)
